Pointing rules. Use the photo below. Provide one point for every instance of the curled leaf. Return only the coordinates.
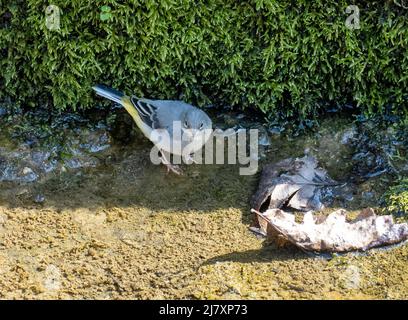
(332, 233)
(295, 183)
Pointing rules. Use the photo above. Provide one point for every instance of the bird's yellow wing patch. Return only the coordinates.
(128, 105)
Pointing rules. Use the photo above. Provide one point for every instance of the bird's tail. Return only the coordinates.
(109, 93)
(121, 98)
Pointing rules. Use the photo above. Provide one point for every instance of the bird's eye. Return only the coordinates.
(201, 126)
(185, 124)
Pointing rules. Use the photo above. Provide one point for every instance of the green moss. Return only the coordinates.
(397, 198)
(280, 58)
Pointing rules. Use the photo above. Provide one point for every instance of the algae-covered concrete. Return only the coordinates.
(125, 229)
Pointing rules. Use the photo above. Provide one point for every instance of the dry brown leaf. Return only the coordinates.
(333, 233)
(296, 183)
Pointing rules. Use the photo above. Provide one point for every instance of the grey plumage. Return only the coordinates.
(159, 120)
(161, 114)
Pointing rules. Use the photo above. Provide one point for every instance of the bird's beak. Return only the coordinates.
(190, 133)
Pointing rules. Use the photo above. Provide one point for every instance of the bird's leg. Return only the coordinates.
(170, 167)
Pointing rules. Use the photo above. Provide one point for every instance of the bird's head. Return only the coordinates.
(195, 121)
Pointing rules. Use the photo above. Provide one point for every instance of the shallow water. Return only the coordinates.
(126, 229)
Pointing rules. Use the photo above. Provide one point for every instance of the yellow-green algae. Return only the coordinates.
(128, 230)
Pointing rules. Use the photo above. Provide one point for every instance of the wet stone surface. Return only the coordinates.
(25, 164)
(357, 154)
(96, 203)
(36, 146)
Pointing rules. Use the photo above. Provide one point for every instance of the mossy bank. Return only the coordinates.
(284, 59)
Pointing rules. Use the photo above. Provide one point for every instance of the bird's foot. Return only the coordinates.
(174, 168)
(170, 167)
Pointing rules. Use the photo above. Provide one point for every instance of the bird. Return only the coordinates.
(174, 126)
